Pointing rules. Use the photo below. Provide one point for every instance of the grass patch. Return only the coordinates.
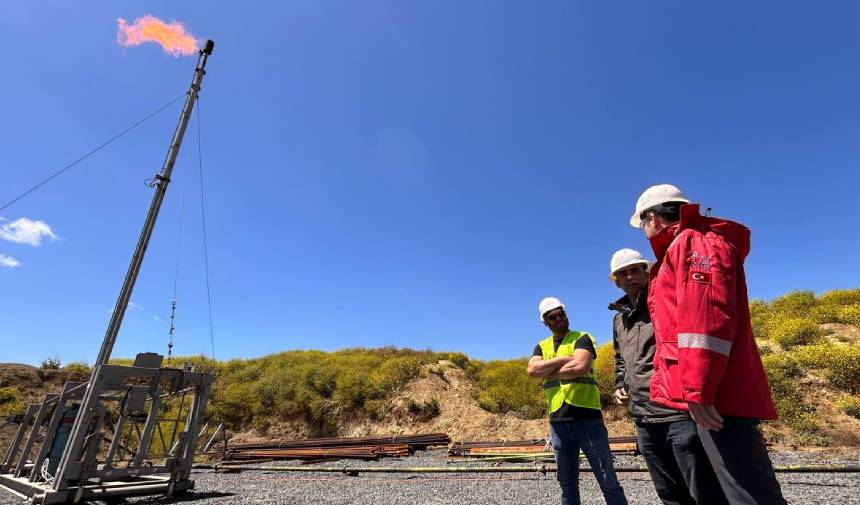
(320, 388)
(503, 386)
(793, 319)
(604, 372)
(783, 372)
(324, 389)
(839, 363)
(9, 402)
(423, 411)
(850, 405)
(77, 367)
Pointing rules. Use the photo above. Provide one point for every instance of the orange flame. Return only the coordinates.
(172, 36)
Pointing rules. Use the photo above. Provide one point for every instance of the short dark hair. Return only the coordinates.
(670, 211)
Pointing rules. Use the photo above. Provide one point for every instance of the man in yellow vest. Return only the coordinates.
(563, 360)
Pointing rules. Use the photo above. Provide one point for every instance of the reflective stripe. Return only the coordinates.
(701, 341)
(578, 380)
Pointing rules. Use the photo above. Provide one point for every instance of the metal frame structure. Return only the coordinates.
(70, 464)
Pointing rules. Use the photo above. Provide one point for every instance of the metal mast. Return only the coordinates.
(162, 179)
(160, 182)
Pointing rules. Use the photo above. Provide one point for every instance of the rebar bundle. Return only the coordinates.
(366, 448)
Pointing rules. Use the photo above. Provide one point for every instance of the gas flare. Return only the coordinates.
(172, 37)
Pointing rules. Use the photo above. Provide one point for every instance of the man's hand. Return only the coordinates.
(620, 396)
(706, 416)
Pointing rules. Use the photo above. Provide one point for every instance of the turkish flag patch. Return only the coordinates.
(700, 277)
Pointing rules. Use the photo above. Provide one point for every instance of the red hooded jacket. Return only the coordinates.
(698, 303)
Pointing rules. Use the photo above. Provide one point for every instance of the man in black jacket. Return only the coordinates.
(668, 438)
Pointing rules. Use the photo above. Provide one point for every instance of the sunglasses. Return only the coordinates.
(558, 316)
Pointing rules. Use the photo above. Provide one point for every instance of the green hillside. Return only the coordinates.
(810, 347)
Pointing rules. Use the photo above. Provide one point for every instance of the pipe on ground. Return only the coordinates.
(500, 469)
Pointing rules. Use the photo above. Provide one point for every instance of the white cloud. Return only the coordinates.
(26, 231)
(131, 305)
(8, 261)
(158, 319)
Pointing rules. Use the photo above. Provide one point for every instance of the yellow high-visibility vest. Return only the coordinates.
(580, 391)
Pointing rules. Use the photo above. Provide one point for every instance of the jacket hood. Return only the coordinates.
(736, 234)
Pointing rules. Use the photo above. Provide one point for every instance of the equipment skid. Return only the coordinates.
(128, 447)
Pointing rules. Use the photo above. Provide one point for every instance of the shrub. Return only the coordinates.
(840, 297)
(319, 387)
(9, 402)
(503, 386)
(814, 356)
(8, 394)
(765, 347)
(423, 411)
(840, 362)
(849, 315)
(782, 372)
(822, 314)
(793, 319)
(839, 306)
(850, 405)
(843, 368)
(236, 403)
(781, 368)
(759, 315)
(789, 332)
(200, 362)
(458, 358)
(473, 369)
(50, 363)
(391, 375)
(604, 372)
(795, 303)
(78, 367)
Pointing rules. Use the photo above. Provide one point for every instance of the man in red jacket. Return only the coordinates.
(707, 361)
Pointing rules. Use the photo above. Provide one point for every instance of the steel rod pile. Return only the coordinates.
(318, 449)
(527, 448)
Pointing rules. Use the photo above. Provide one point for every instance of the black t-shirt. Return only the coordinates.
(569, 412)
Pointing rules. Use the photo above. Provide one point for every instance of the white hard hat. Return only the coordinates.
(653, 196)
(624, 258)
(547, 304)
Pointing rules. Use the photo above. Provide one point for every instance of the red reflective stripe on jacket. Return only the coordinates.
(698, 303)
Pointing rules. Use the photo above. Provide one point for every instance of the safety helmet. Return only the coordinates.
(654, 196)
(547, 304)
(624, 258)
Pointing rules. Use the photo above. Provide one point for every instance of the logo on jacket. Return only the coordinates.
(700, 277)
(699, 262)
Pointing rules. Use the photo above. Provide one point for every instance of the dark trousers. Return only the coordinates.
(740, 460)
(679, 467)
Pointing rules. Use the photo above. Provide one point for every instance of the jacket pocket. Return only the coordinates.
(669, 356)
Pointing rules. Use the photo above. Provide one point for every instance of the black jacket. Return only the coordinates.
(633, 340)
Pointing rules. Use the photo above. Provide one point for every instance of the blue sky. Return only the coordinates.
(416, 174)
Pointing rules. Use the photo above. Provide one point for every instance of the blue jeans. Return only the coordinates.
(568, 437)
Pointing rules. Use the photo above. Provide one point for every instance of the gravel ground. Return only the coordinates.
(533, 488)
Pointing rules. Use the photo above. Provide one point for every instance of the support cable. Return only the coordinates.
(205, 241)
(172, 328)
(93, 151)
